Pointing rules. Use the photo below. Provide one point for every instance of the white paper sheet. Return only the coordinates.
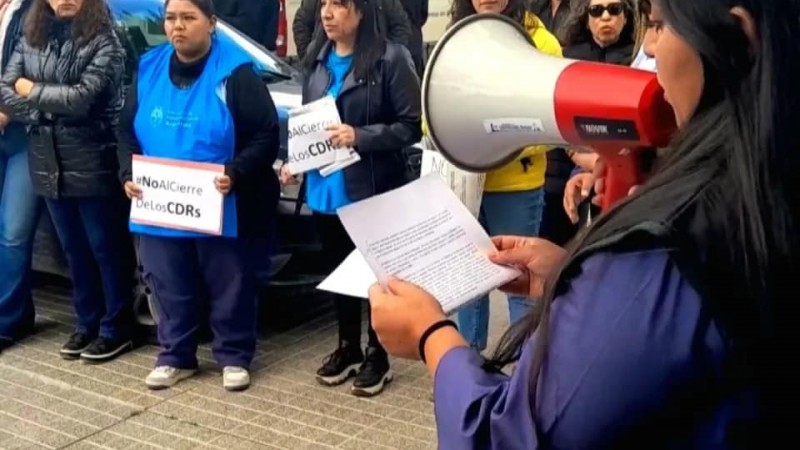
(310, 146)
(353, 277)
(177, 194)
(422, 233)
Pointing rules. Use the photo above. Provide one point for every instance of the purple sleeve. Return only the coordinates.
(627, 336)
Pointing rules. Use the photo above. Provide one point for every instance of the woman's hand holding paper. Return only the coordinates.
(536, 258)
(342, 135)
(402, 313)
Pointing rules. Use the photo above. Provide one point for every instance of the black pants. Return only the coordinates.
(336, 245)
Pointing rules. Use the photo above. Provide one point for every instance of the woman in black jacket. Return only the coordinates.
(64, 79)
(377, 94)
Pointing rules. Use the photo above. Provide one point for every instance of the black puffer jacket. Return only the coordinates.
(73, 109)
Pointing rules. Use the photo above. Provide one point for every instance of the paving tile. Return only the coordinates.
(152, 436)
(67, 425)
(189, 431)
(217, 406)
(229, 442)
(382, 437)
(113, 440)
(29, 431)
(358, 444)
(47, 402)
(196, 416)
(298, 428)
(9, 441)
(83, 445)
(291, 442)
(400, 428)
(108, 440)
(346, 414)
(259, 434)
(248, 400)
(278, 383)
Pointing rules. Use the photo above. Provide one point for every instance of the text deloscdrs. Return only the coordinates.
(174, 208)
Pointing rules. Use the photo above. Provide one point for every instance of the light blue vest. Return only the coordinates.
(191, 124)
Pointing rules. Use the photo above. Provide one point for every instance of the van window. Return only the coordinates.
(141, 27)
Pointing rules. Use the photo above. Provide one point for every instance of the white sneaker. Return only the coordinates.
(235, 378)
(163, 377)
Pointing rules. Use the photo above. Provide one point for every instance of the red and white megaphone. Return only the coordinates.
(487, 94)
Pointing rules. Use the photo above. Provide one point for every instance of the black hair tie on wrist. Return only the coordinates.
(431, 329)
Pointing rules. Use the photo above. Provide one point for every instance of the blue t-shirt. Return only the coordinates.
(326, 194)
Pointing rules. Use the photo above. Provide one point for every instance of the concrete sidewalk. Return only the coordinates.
(47, 402)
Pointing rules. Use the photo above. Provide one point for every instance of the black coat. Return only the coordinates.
(385, 110)
(255, 18)
(73, 109)
(417, 12)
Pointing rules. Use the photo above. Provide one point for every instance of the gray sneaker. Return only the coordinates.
(235, 378)
(163, 377)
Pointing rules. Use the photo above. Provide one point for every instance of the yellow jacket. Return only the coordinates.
(513, 176)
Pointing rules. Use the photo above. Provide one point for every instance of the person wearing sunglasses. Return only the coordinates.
(599, 31)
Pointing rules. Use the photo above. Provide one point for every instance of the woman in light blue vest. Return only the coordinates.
(198, 98)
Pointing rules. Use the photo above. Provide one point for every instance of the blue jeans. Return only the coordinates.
(91, 234)
(19, 212)
(502, 213)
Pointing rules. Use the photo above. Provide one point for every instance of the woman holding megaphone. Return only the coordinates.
(377, 93)
(668, 322)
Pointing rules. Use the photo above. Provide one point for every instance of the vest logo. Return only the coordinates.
(156, 116)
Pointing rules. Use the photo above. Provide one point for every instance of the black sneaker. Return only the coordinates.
(340, 365)
(373, 375)
(105, 349)
(76, 344)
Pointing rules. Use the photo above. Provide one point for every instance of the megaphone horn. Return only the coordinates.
(481, 116)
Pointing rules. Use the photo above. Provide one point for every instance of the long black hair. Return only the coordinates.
(734, 170)
(92, 20)
(576, 31)
(370, 42)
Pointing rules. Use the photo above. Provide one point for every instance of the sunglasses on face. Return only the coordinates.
(613, 9)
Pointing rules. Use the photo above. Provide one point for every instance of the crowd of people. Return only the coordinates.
(657, 324)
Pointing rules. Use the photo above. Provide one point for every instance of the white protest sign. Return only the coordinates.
(309, 144)
(339, 165)
(467, 186)
(177, 194)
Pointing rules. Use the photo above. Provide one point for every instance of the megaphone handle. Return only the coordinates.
(623, 172)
